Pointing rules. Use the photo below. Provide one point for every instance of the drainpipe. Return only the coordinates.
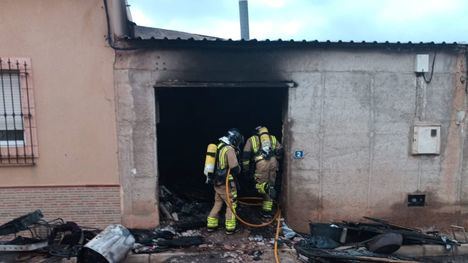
(244, 19)
(118, 25)
(118, 21)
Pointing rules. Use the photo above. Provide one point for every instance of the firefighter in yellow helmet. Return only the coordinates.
(226, 160)
(261, 152)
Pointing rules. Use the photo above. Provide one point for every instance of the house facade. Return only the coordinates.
(59, 151)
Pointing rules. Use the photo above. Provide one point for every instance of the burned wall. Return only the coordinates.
(351, 113)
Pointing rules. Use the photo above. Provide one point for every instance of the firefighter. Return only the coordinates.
(227, 160)
(261, 154)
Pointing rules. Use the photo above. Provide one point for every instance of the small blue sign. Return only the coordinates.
(298, 154)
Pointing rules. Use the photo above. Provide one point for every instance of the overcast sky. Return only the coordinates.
(369, 20)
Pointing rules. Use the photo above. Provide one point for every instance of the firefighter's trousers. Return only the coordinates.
(265, 175)
(219, 199)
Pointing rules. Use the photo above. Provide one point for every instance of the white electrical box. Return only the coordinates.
(422, 63)
(426, 139)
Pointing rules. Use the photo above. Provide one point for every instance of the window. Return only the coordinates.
(11, 121)
(17, 127)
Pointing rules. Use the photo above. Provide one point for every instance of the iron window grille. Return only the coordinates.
(18, 144)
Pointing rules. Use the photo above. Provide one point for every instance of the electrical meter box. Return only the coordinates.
(422, 63)
(426, 139)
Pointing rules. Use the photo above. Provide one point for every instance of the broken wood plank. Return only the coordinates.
(165, 211)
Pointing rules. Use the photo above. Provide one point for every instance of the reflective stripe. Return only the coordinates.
(267, 206)
(222, 162)
(212, 222)
(261, 187)
(258, 158)
(255, 144)
(273, 142)
(230, 224)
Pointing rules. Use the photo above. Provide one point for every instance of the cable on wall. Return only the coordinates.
(432, 70)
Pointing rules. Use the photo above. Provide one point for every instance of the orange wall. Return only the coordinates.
(72, 69)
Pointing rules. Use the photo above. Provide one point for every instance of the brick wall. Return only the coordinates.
(94, 206)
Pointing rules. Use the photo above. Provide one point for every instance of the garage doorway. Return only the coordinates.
(189, 118)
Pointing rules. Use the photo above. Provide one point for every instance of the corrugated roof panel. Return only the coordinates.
(147, 35)
(339, 42)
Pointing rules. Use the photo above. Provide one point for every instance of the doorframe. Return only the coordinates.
(287, 85)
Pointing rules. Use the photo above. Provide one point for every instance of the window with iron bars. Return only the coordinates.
(17, 127)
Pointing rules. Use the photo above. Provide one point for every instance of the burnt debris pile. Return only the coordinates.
(377, 241)
(180, 212)
(31, 232)
(32, 236)
(163, 239)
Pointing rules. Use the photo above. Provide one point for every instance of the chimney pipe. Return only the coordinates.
(244, 19)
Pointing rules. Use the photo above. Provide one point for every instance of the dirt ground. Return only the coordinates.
(246, 245)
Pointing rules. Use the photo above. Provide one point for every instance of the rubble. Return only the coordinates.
(21, 223)
(385, 243)
(55, 238)
(256, 255)
(229, 254)
(111, 245)
(187, 240)
(190, 233)
(379, 241)
(256, 238)
(164, 238)
(181, 213)
(321, 242)
(23, 244)
(228, 247)
(193, 244)
(288, 233)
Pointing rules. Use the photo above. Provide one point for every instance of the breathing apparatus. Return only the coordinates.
(210, 162)
(233, 138)
(265, 142)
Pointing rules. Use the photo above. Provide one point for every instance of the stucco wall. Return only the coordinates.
(351, 113)
(72, 69)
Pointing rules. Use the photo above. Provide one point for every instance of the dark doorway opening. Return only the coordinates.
(190, 118)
